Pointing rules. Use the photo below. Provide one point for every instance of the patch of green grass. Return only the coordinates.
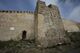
(9, 43)
(17, 44)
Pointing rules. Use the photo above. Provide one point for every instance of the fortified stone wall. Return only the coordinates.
(50, 27)
(44, 25)
(12, 23)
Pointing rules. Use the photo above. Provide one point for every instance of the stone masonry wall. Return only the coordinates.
(12, 25)
(50, 27)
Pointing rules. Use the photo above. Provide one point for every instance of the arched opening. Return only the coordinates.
(24, 35)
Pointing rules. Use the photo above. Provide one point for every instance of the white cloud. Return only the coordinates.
(75, 14)
(50, 2)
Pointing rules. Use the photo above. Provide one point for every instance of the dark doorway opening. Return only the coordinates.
(24, 35)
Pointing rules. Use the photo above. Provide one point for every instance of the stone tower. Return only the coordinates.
(49, 27)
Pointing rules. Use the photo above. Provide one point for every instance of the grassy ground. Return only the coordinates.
(29, 46)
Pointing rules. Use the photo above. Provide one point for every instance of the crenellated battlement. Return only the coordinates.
(16, 11)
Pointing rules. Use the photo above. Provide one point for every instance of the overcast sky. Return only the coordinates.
(17, 4)
(69, 9)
